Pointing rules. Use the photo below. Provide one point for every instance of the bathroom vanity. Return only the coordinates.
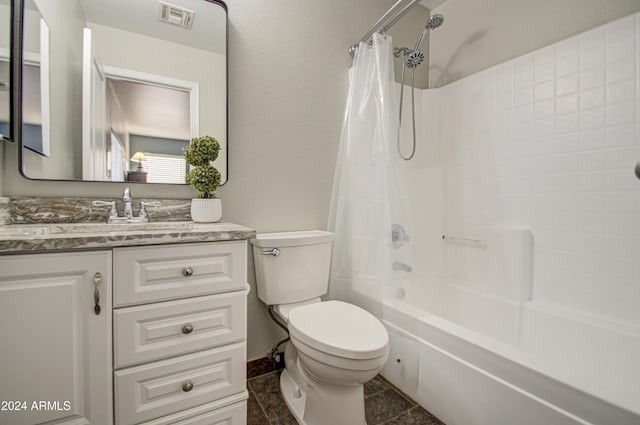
(123, 325)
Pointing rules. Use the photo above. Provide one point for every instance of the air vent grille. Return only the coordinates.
(175, 15)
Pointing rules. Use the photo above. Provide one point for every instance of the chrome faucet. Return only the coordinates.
(127, 217)
(128, 211)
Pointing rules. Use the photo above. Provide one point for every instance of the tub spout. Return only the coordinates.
(401, 267)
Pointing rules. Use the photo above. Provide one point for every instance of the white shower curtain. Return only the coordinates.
(368, 192)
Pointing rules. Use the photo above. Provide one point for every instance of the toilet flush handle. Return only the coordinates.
(275, 252)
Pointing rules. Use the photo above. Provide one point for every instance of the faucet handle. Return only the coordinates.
(144, 204)
(113, 213)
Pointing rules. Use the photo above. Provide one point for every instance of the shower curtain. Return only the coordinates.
(368, 213)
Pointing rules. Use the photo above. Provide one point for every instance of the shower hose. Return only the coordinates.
(413, 114)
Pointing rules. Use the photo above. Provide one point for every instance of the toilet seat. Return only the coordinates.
(339, 329)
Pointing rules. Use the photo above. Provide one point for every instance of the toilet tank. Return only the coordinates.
(292, 266)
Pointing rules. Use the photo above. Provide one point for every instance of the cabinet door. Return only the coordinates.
(55, 350)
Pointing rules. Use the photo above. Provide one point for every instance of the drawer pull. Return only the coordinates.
(187, 272)
(97, 280)
(187, 329)
(187, 386)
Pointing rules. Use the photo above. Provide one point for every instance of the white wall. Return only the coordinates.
(549, 141)
(479, 34)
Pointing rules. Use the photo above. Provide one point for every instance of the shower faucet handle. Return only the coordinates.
(398, 236)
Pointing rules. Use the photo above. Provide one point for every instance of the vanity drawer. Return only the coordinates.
(157, 273)
(156, 389)
(235, 414)
(154, 331)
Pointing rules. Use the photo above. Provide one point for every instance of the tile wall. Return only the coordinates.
(546, 141)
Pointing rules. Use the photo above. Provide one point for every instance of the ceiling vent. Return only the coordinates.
(175, 15)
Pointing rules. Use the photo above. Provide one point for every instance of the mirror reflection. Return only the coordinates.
(5, 35)
(114, 90)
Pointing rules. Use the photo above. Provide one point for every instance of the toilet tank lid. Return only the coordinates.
(339, 328)
(279, 239)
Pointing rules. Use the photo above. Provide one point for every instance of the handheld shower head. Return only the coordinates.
(434, 22)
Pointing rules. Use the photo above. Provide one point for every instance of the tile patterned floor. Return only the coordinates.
(384, 404)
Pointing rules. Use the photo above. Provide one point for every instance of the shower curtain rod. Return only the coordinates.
(386, 21)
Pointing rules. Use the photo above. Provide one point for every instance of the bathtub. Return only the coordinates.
(492, 361)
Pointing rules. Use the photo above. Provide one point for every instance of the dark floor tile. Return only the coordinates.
(415, 416)
(261, 366)
(255, 415)
(266, 389)
(288, 419)
(384, 406)
(376, 385)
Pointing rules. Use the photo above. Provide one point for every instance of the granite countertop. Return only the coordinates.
(27, 238)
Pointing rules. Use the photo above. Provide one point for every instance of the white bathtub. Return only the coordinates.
(500, 363)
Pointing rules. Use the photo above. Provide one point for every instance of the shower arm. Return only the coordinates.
(386, 21)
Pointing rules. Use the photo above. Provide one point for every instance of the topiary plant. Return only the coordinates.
(204, 177)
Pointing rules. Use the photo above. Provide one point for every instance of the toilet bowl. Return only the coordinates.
(335, 346)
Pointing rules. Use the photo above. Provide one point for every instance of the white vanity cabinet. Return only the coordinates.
(180, 333)
(168, 348)
(55, 350)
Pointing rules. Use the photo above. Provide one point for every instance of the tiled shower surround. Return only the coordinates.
(547, 141)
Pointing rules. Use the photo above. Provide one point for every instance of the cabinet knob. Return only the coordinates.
(187, 271)
(187, 329)
(187, 386)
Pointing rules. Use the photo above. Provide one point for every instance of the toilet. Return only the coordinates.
(335, 347)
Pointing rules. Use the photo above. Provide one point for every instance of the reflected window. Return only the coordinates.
(162, 168)
(116, 159)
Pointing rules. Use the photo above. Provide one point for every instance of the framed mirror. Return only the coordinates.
(114, 90)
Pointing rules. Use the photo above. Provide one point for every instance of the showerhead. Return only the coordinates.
(434, 22)
(414, 58)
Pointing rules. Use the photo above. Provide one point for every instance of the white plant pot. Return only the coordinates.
(206, 210)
